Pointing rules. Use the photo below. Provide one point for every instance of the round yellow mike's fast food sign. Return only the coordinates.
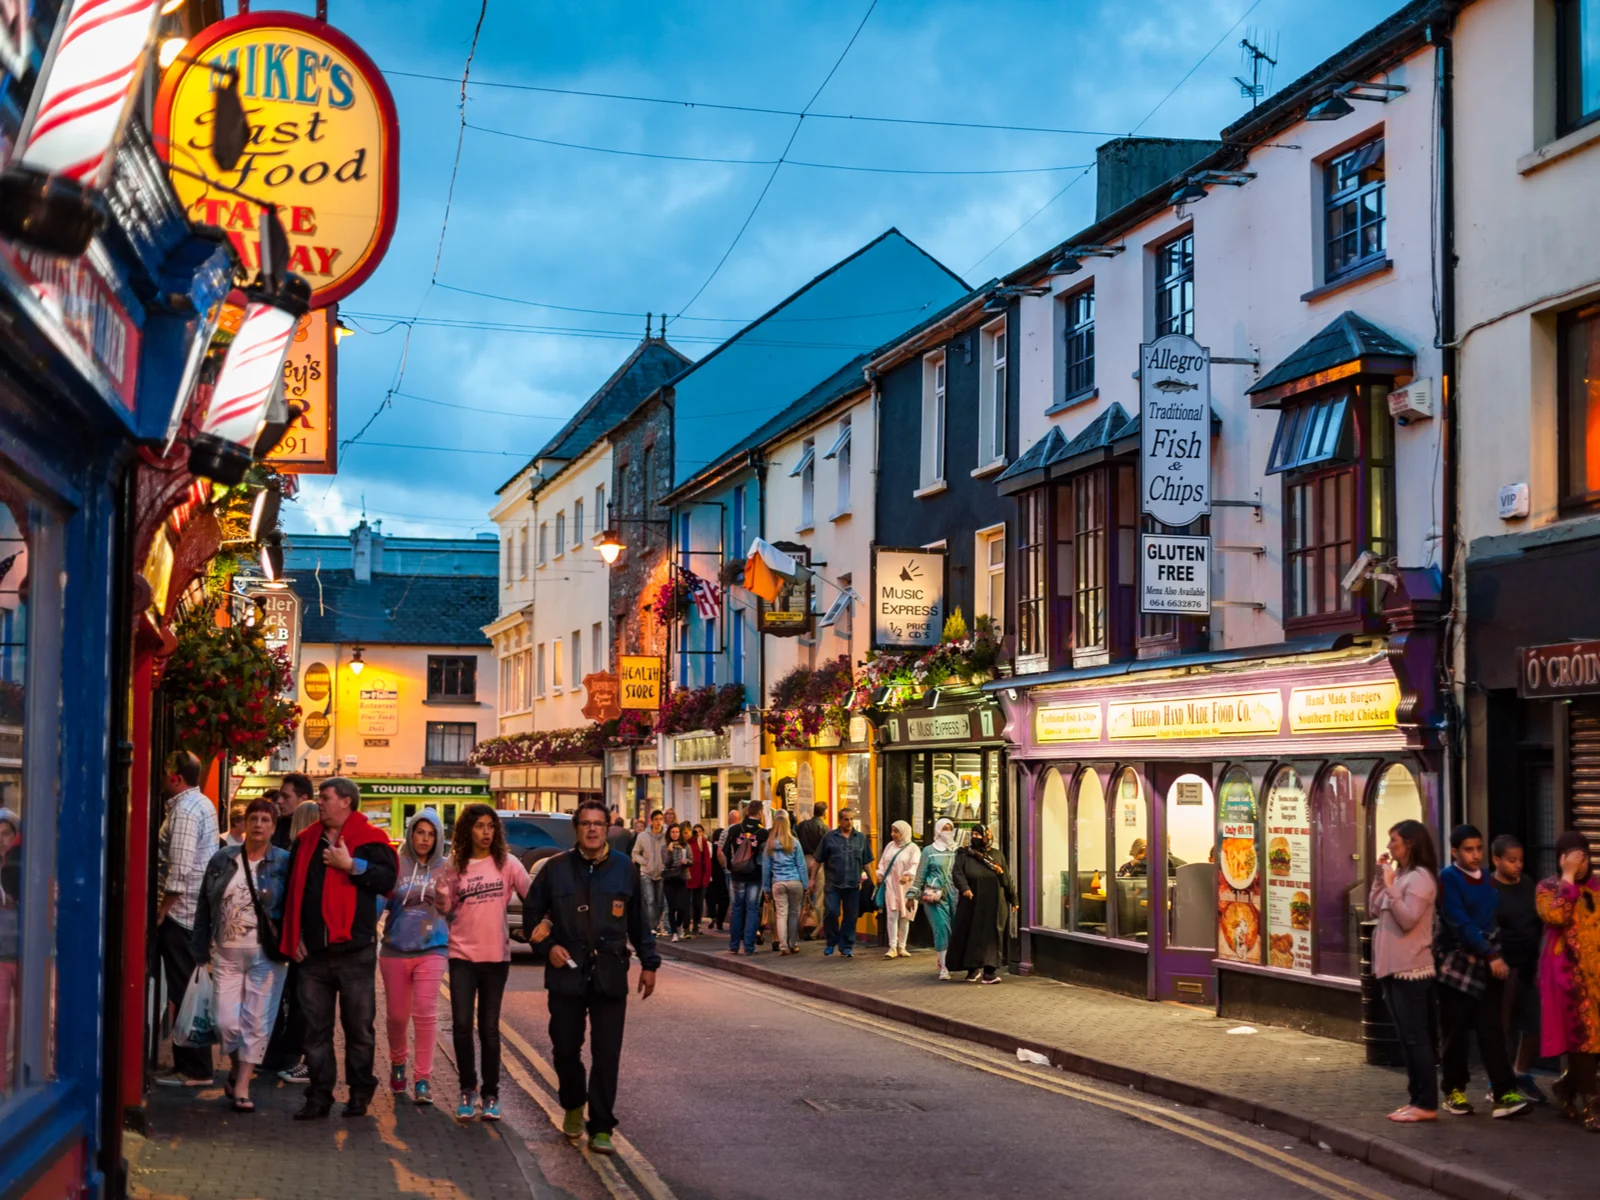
(324, 145)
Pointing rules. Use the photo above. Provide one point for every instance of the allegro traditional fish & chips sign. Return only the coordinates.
(324, 144)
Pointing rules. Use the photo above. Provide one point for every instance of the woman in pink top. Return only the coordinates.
(476, 888)
(1402, 900)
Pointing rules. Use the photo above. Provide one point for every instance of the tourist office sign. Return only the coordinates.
(324, 144)
(908, 599)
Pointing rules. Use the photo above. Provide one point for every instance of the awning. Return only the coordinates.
(1349, 345)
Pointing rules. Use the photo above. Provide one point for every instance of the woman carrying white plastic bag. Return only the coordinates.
(196, 1026)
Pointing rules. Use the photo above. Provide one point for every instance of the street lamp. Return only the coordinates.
(356, 665)
(609, 545)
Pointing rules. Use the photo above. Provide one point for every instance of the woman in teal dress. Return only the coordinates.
(933, 878)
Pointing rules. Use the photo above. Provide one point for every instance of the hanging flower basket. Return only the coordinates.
(226, 691)
(671, 603)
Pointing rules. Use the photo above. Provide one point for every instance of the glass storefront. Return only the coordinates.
(1130, 824)
(1191, 865)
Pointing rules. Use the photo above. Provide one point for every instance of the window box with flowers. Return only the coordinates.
(806, 702)
(692, 710)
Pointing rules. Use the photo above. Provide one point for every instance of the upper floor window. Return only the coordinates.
(840, 453)
(544, 542)
(1578, 428)
(992, 395)
(1175, 286)
(577, 522)
(597, 663)
(561, 533)
(806, 469)
(453, 677)
(555, 665)
(647, 465)
(599, 509)
(1355, 209)
(523, 553)
(933, 417)
(1032, 581)
(1335, 450)
(1577, 63)
(450, 742)
(737, 522)
(538, 671)
(622, 487)
(508, 549)
(577, 657)
(989, 597)
(1080, 343)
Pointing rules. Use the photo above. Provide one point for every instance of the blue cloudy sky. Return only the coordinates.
(554, 226)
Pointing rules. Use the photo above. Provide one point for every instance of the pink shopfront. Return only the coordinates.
(1204, 833)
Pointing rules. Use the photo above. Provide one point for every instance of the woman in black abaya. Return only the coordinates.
(986, 900)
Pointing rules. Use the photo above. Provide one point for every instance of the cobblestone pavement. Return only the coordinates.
(1292, 1081)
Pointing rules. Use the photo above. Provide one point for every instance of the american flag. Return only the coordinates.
(707, 598)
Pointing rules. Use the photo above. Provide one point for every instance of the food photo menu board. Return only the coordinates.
(1288, 845)
(1239, 873)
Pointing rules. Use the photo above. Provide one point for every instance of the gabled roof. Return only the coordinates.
(847, 379)
(1055, 455)
(651, 364)
(1347, 340)
(396, 610)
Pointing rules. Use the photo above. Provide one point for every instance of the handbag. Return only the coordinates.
(932, 894)
(266, 928)
(879, 897)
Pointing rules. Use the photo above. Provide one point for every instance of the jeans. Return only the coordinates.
(655, 901)
(484, 982)
(1410, 1007)
(350, 978)
(677, 905)
(843, 907)
(411, 996)
(697, 907)
(787, 897)
(599, 1090)
(178, 964)
(1460, 1014)
(745, 918)
(248, 988)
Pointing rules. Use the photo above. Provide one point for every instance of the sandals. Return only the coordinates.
(1409, 1114)
(241, 1105)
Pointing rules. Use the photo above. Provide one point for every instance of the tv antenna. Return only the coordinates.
(1254, 53)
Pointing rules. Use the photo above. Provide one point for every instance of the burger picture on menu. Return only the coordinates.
(1300, 911)
(1278, 856)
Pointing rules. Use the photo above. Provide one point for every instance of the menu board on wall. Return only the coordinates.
(1289, 875)
(1238, 874)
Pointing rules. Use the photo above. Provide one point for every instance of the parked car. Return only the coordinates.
(533, 838)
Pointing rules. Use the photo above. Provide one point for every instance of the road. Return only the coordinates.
(735, 1091)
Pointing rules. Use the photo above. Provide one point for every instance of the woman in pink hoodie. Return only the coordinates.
(476, 889)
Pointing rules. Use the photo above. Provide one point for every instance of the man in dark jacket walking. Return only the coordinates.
(741, 855)
(845, 858)
(588, 904)
(330, 919)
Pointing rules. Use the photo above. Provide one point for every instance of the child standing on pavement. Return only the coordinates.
(474, 894)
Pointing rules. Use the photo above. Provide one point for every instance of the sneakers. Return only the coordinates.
(468, 1108)
(1530, 1089)
(179, 1079)
(827, 952)
(1510, 1104)
(1457, 1104)
(423, 1093)
(600, 1143)
(572, 1124)
(397, 1079)
(944, 972)
(299, 1073)
(491, 1108)
(893, 953)
(989, 979)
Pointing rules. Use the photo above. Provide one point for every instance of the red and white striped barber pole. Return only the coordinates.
(49, 193)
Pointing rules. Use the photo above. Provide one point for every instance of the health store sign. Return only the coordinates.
(1288, 844)
(1175, 473)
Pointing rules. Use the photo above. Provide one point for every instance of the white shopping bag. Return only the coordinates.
(196, 1025)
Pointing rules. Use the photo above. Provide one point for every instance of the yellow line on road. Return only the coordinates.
(1313, 1178)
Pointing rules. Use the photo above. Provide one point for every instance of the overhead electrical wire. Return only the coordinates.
(612, 312)
(602, 334)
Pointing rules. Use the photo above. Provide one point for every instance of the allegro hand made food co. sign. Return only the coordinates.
(324, 144)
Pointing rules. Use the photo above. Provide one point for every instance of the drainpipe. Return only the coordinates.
(1444, 64)
(758, 463)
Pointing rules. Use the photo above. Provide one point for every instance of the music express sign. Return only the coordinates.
(1175, 429)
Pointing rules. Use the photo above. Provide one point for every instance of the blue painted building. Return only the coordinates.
(94, 363)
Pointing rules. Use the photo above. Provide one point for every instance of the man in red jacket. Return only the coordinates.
(330, 917)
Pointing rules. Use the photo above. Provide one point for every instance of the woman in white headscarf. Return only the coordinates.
(932, 888)
(897, 868)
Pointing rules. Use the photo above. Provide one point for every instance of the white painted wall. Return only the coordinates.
(1258, 249)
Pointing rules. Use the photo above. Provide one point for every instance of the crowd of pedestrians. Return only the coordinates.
(1476, 952)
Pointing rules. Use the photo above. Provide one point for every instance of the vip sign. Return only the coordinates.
(1175, 574)
(309, 377)
(1175, 429)
(907, 597)
(324, 144)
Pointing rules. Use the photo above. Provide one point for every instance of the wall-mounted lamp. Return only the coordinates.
(1337, 103)
(356, 665)
(1000, 299)
(1194, 186)
(609, 545)
(1070, 260)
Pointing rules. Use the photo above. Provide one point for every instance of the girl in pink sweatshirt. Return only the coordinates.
(474, 893)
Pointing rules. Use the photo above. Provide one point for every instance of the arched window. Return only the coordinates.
(1055, 879)
(1288, 847)
(1130, 823)
(1396, 798)
(1094, 864)
(1339, 900)
(1192, 891)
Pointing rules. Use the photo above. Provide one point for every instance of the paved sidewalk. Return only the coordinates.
(199, 1149)
(1312, 1088)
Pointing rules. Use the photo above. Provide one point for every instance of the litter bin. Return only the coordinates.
(1378, 1033)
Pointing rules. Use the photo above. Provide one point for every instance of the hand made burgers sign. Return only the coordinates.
(324, 144)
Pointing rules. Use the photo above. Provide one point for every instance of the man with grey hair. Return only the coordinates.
(341, 867)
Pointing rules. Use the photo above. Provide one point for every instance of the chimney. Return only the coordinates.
(377, 547)
(1126, 168)
(361, 552)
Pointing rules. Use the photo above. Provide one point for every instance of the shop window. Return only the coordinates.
(1340, 901)
(1130, 824)
(1289, 893)
(453, 678)
(1091, 885)
(1239, 868)
(1055, 854)
(1355, 210)
(1578, 380)
(449, 742)
(1191, 874)
(1577, 63)
(1396, 798)
(1335, 452)
(958, 791)
(851, 786)
(1175, 286)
